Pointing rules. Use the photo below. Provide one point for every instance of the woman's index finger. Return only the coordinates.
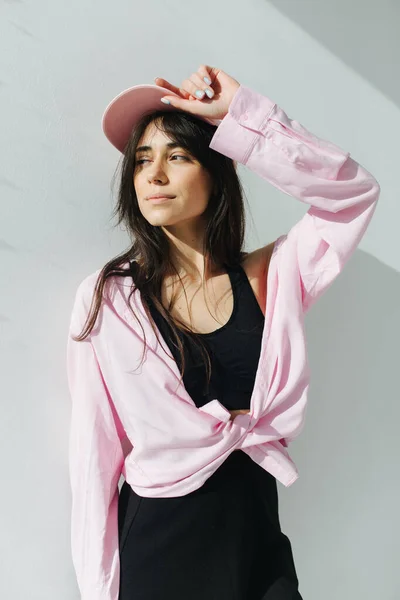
(173, 88)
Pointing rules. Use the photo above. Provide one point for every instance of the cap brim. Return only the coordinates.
(125, 110)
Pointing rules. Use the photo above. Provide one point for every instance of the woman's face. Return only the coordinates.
(169, 170)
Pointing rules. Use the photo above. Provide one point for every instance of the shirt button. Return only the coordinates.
(245, 117)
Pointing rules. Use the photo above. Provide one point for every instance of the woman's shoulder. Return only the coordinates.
(83, 296)
(256, 263)
(89, 282)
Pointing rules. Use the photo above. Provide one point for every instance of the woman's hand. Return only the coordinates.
(220, 85)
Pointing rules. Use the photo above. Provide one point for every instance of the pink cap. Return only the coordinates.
(125, 110)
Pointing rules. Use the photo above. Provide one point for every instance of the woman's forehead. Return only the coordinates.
(153, 136)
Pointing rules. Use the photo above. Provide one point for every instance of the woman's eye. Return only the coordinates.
(139, 162)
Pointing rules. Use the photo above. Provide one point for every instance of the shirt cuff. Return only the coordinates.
(247, 117)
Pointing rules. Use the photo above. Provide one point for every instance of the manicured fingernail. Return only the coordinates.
(165, 100)
(209, 93)
(207, 80)
(199, 93)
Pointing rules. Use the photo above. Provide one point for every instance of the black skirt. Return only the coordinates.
(221, 542)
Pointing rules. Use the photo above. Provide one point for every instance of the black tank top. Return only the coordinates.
(234, 349)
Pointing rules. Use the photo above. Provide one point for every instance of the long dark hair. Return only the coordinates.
(224, 224)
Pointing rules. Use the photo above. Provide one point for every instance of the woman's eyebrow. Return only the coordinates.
(169, 145)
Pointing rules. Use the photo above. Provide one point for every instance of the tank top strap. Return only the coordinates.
(235, 272)
(242, 288)
(237, 275)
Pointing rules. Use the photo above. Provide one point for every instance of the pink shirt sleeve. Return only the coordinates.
(95, 464)
(342, 194)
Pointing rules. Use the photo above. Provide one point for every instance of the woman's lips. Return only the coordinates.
(159, 200)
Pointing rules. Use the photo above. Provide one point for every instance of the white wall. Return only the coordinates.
(61, 63)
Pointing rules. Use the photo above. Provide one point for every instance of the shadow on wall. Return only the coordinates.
(364, 35)
(343, 509)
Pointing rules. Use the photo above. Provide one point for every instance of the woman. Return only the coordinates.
(197, 516)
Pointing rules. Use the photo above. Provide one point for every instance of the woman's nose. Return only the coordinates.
(157, 174)
(157, 178)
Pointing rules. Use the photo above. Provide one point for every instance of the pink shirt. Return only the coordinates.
(175, 445)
